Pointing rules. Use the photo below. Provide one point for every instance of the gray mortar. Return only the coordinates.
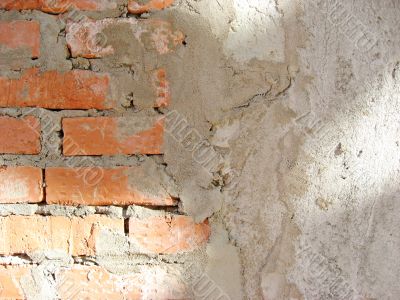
(18, 209)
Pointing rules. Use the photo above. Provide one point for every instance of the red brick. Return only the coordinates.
(20, 35)
(97, 186)
(58, 6)
(166, 235)
(155, 35)
(75, 236)
(112, 136)
(21, 185)
(77, 89)
(140, 7)
(93, 282)
(10, 276)
(19, 136)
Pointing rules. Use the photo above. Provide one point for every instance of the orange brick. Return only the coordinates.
(74, 236)
(20, 35)
(171, 234)
(58, 6)
(112, 136)
(97, 186)
(140, 7)
(77, 89)
(19, 136)
(10, 276)
(21, 185)
(93, 282)
(83, 37)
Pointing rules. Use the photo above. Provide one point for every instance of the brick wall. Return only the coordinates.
(83, 186)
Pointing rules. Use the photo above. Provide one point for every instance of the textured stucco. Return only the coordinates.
(309, 125)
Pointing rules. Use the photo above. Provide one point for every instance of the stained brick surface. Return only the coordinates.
(19, 136)
(83, 282)
(75, 236)
(171, 234)
(20, 36)
(99, 186)
(111, 136)
(90, 38)
(21, 185)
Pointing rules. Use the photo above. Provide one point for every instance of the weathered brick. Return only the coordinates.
(97, 186)
(10, 276)
(21, 185)
(58, 6)
(75, 236)
(162, 88)
(20, 36)
(89, 38)
(140, 7)
(170, 234)
(19, 136)
(77, 89)
(93, 282)
(112, 136)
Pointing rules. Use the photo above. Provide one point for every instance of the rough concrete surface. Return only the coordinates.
(305, 112)
(302, 115)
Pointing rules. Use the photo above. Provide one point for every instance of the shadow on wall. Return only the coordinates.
(329, 147)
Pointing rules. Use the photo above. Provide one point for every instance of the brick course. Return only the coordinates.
(77, 89)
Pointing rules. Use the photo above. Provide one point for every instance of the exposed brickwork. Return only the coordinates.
(111, 136)
(94, 282)
(20, 36)
(76, 89)
(171, 234)
(19, 136)
(84, 40)
(97, 186)
(75, 236)
(58, 6)
(21, 185)
(140, 7)
(101, 89)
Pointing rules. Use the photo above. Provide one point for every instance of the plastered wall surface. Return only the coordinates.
(295, 106)
(313, 213)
